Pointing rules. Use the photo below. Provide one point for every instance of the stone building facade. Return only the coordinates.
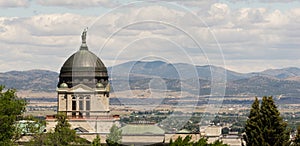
(83, 93)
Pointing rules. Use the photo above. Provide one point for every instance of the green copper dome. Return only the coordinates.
(99, 85)
(63, 85)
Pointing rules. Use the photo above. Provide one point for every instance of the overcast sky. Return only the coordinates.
(244, 36)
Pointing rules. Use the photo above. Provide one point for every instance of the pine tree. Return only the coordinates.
(182, 142)
(187, 141)
(63, 130)
(63, 135)
(274, 129)
(253, 130)
(96, 141)
(201, 142)
(265, 126)
(114, 137)
(217, 143)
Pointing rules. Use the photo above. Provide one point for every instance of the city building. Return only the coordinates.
(142, 134)
(212, 133)
(83, 94)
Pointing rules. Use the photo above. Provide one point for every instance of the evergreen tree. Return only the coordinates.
(218, 143)
(96, 141)
(265, 126)
(114, 137)
(253, 130)
(201, 142)
(62, 134)
(274, 129)
(187, 142)
(181, 142)
(10, 108)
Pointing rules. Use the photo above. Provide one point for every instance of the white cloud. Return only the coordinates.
(30, 42)
(50, 29)
(277, 1)
(78, 3)
(200, 4)
(14, 3)
(219, 11)
(263, 1)
(246, 66)
(247, 35)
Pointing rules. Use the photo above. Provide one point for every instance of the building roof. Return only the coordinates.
(80, 130)
(213, 131)
(25, 126)
(184, 131)
(82, 64)
(142, 129)
(83, 59)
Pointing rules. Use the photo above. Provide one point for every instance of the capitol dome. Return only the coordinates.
(83, 67)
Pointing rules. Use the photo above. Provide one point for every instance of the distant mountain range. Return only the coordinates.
(284, 82)
(35, 80)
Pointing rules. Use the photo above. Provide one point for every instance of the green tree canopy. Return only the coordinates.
(187, 142)
(253, 130)
(182, 142)
(63, 135)
(265, 126)
(10, 108)
(96, 141)
(115, 136)
(275, 131)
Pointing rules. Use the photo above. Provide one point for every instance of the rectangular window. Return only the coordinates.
(88, 105)
(80, 105)
(73, 105)
(87, 114)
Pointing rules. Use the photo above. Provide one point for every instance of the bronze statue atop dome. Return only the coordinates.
(83, 36)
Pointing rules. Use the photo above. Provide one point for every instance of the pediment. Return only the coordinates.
(81, 88)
